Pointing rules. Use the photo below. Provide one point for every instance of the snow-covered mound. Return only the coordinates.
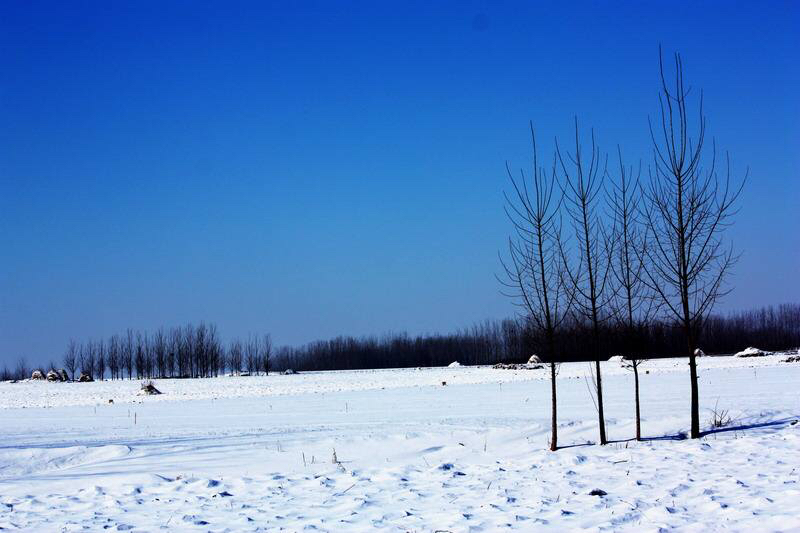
(454, 364)
(752, 352)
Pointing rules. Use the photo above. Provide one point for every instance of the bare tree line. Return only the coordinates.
(506, 341)
(183, 352)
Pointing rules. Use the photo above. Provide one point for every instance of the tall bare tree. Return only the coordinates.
(128, 353)
(22, 371)
(71, 358)
(533, 270)
(100, 361)
(160, 352)
(588, 272)
(632, 302)
(689, 205)
(114, 356)
(87, 358)
(266, 353)
(251, 355)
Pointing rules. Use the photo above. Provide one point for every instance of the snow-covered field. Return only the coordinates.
(250, 453)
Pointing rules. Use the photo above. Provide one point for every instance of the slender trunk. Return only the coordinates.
(636, 389)
(695, 401)
(601, 419)
(695, 432)
(695, 428)
(554, 419)
(600, 415)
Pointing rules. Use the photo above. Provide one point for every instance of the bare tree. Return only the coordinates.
(688, 208)
(632, 303)
(251, 355)
(87, 358)
(71, 359)
(214, 353)
(174, 350)
(100, 361)
(187, 351)
(128, 353)
(114, 356)
(588, 273)
(160, 351)
(266, 352)
(533, 271)
(235, 357)
(22, 371)
(140, 355)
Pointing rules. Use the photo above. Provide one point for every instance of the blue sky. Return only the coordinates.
(316, 169)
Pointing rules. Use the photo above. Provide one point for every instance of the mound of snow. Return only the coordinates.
(699, 353)
(751, 352)
(616, 359)
(454, 364)
(535, 360)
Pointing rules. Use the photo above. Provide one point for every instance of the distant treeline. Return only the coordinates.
(510, 341)
(197, 351)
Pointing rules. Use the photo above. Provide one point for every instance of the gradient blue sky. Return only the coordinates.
(315, 169)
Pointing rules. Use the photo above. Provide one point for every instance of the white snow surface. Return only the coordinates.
(255, 453)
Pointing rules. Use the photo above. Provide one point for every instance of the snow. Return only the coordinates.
(43, 394)
(239, 453)
(751, 352)
(454, 364)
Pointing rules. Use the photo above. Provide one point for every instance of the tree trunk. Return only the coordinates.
(695, 431)
(554, 419)
(601, 417)
(636, 389)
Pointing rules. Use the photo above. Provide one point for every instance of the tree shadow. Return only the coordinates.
(772, 424)
(681, 435)
(677, 436)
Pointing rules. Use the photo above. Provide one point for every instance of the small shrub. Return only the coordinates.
(720, 418)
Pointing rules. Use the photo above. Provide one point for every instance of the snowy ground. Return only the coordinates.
(251, 453)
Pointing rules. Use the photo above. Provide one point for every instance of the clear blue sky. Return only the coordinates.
(315, 169)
